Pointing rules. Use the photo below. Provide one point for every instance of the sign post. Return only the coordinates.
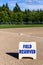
(27, 49)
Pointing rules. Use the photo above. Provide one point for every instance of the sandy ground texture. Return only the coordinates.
(9, 43)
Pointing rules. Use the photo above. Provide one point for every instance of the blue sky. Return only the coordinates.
(24, 4)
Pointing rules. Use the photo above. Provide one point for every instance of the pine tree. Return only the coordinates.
(17, 8)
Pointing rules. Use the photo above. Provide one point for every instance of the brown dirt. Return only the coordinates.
(9, 43)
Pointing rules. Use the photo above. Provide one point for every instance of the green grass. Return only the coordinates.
(21, 26)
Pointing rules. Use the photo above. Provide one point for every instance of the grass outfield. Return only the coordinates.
(21, 26)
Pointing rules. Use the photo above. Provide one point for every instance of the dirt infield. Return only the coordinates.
(9, 42)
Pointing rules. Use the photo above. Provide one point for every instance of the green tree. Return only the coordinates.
(17, 8)
(41, 17)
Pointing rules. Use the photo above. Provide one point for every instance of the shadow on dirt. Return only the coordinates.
(12, 54)
(27, 58)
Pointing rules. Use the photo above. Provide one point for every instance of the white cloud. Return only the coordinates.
(31, 7)
(11, 4)
(28, 0)
(31, 0)
(35, 1)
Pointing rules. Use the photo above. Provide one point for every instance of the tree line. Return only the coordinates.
(17, 16)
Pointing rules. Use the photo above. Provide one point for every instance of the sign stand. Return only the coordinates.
(27, 49)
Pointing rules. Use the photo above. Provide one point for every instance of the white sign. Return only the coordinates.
(27, 49)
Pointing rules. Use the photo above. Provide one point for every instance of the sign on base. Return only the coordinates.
(27, 49)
